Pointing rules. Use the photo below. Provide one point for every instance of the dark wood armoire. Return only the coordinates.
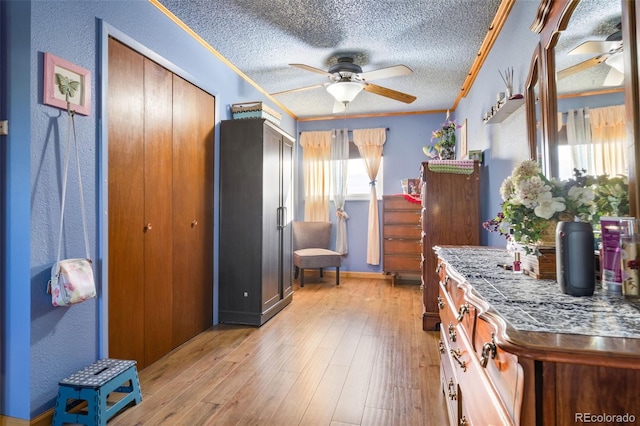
(256, 175)
(450, 216)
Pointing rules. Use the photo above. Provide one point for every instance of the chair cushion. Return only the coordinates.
(316, 258)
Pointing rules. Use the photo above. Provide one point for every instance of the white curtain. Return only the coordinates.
(316, 157)
(339, 161)
(579, 138)
(369, 143)
(608, 139)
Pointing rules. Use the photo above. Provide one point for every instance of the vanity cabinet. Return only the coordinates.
(401, 230)
(517, 351)
(450, 215)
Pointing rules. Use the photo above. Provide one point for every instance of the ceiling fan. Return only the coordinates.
(608, 51)
(346, 80)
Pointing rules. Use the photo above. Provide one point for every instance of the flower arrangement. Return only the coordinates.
(445, 136)
(533, 204)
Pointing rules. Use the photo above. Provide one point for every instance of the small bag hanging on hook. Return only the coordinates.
(72, 279)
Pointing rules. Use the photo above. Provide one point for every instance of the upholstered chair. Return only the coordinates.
(311, 249)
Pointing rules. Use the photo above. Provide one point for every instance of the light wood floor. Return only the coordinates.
(349, 355)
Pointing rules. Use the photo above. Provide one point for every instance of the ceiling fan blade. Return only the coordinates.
(300, 89)
(338, 107)
(614, 78)
(581, 66)
(393, 71)
(312, 69)
(389, 93)
(595, 47)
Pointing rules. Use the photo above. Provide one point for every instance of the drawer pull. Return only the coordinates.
(464, 309)
(438, 268)
(446, 281)
(441, 346)
(463, 421)
(456, 357)
(452, 332)
(488, 350)
(453, 395)
(440, 303)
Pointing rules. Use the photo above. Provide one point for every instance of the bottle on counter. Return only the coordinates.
(517, 264)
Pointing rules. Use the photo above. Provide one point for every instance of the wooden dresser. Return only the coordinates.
(450, 215)
(401, 243)
(517, 351)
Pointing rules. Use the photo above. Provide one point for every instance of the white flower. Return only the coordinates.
(506, 189)
(528, 192)
(549, 205)
(582, 196)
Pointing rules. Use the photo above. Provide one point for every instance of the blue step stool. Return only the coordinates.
(93, 384)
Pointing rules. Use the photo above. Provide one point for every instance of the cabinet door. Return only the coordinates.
(158, 158)
(192, 216)
(126, 203)
(271, 235)
(287, 214)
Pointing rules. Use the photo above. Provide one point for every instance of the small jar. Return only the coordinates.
(517, 264)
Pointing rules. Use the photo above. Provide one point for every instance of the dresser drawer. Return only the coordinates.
(402, 246)
(449, 382)
(402, 231)
(502, 367)
(411, 217)
(399, 203)
(401, 262)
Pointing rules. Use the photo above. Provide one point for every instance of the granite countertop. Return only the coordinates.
(529, 304)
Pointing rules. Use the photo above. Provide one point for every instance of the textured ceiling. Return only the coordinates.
(437, 39)
(262, 37)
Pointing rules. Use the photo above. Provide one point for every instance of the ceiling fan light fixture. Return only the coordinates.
(344, 91)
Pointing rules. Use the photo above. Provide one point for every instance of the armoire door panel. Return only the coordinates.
(272, 215)
(126, 203)
(158, 153)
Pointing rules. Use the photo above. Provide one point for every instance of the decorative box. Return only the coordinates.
(255, 110)
(542, 267)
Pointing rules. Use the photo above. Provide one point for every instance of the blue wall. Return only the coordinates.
(42, 344)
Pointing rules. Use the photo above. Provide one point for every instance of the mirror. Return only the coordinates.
(533, 110)
(589, 81)
(552, 19)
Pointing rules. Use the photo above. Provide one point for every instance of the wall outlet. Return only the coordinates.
(4, 127)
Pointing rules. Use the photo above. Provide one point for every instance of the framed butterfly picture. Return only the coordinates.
(66, 85)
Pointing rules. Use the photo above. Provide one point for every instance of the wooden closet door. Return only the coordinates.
(158, 158)
(126, 203)
(193, 121)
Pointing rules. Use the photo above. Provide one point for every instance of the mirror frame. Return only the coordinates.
(551, 19)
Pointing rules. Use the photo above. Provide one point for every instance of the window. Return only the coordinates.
(358, 180)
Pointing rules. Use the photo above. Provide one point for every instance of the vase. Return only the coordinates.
(447, 153)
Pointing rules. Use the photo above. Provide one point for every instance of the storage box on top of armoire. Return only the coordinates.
(255, 110)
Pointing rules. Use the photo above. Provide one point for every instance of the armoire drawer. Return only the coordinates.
(449, 382)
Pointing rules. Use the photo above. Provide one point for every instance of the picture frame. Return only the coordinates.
(463, 140)
(56, 68)
(476, 155)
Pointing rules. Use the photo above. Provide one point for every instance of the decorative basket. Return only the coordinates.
(255, 110)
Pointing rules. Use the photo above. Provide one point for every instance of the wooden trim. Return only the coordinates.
(631, 35)
(44, 419)
(492, 34)
(541, 16)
